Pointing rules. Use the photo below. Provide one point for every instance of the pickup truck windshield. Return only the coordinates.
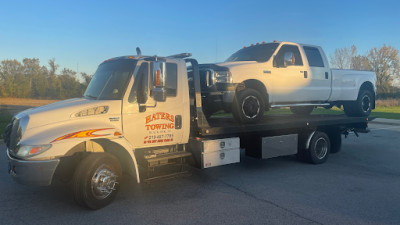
(110, 80)
(259, 53)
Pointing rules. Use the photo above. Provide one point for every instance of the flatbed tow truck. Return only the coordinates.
(151, 125)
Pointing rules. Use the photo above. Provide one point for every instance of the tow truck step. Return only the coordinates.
(165, 166)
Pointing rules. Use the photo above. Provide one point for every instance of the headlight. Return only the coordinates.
(223, 76)
(30, 150)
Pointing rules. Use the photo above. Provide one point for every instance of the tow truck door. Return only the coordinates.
(150, 123)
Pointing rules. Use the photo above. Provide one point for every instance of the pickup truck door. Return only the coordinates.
(320, 75)
(288, 83)
(149, 123)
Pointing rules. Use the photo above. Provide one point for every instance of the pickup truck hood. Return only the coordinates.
(241, 68)
(237, 63)
(58, 112)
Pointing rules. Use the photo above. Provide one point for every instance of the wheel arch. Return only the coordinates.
(117, 147)
(259, 86)
(367, 85)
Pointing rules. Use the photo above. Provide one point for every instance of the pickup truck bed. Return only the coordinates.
(280, 124)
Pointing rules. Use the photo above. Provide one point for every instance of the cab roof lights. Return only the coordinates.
(258, 43)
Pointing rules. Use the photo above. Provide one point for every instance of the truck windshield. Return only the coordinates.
(110, 80)
(259, 53)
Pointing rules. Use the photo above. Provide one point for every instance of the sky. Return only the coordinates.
(82, 34)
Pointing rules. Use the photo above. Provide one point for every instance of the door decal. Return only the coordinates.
(159, 127)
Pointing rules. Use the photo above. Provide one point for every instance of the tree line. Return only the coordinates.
(28, 79)
(384, 61)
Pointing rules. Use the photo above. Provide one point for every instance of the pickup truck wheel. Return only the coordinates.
(248, 106)
(302, 110)
(319, 148)
(96, 180)
(362, 106)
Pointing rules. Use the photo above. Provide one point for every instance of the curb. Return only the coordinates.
(392, 122)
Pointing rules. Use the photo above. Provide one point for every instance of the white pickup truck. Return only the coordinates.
(284, 74)
(143, 116)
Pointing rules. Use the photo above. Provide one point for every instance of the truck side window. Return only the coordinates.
(314, 57)
(140, 87)
(171, 82)
(289, 48)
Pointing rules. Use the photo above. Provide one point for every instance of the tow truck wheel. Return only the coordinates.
(248, 106)
(319, 148)
(96, 180)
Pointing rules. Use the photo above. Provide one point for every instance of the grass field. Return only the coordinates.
(388, 109)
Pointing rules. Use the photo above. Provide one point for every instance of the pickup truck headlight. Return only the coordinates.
(30, 150)
(223, 76)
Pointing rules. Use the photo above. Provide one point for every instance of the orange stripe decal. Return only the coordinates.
(82, 134)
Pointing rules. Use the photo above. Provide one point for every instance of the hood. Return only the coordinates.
(237, 63)
(58, 111)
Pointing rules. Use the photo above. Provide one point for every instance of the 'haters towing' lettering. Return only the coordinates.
(160, 116)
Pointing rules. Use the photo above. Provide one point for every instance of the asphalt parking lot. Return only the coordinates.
(359, 185)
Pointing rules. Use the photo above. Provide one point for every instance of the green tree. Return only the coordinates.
(385, 62)
(12, 75)
(54, 86)
(70, 86)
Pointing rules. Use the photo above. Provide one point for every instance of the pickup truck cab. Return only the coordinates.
(285, 74)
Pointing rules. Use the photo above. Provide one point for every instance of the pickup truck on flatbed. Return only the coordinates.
(143, 115)
(284, 74)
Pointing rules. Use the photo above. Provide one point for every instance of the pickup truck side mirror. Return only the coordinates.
(158, 90)
(288, 59)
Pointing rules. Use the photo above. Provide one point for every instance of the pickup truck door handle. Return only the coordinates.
(326, 75)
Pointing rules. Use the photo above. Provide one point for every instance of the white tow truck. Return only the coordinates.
(285, 74)
(143, 115)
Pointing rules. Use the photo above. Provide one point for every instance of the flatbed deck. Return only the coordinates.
(227, 126)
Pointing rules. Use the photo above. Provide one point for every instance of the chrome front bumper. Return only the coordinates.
(37, 173)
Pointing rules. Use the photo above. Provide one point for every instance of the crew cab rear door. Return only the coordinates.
(148, 121)
(319, 88)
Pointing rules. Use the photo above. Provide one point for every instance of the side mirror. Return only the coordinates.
(159, 94)
(159, 74)
(158, 90)
(288, 59)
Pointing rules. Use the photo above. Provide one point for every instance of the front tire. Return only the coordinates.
(248, 106)
(362, 106)
(96, 180)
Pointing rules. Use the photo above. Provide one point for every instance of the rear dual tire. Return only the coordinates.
(318, 149)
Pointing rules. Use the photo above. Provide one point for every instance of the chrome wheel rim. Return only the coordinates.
(103, 182)
(250, 107)
(321, 148)
(365, 104)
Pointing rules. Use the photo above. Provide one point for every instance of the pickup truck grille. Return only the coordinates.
(12, 134)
